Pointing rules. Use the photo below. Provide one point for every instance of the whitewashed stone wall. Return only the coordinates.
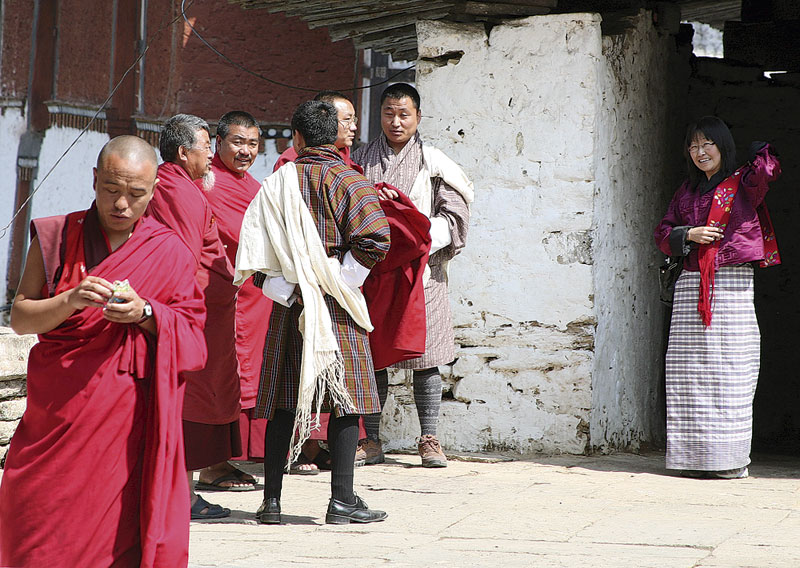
(517, 110)
(557, 321)
(638, 166)
(13, 369)
(12, 125)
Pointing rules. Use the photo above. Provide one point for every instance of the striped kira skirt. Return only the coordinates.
(712, 373)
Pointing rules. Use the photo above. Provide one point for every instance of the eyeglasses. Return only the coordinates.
(347, 122)
(706, 146)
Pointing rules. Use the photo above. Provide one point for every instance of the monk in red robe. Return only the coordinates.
(237, 143)
(95, 472)
(348, 125)
(211, 408)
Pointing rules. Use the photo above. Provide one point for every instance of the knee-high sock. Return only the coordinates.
(276, 447)
(372, 422)
(342, 442)
(428, 398)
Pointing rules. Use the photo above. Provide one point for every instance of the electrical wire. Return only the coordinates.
(272, 81)
(4, 230)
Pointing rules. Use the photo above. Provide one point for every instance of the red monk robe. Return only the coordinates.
(95, 473)
(229, 198)
(211, 409)
(394, 290)
(290, 155)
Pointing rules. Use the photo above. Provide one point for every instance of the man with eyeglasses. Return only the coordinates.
(237, 143)
(211, 405)
(346, 135)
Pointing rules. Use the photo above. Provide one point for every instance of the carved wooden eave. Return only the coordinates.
(390, 26)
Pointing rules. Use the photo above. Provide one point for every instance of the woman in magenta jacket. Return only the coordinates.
(717, 221)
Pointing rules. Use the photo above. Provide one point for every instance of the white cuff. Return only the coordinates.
(279, 290)
(353, 273)
(440, 234)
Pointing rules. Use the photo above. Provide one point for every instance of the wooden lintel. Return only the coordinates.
(334, 17)
(382, 24)
(503, 9)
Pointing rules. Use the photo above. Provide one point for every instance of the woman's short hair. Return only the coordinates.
(715, 130)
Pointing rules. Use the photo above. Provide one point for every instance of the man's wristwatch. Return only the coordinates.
(147, 312)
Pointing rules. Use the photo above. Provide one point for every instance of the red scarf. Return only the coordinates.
(719, 216)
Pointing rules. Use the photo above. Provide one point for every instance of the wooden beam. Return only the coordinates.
(346, 30)
(503, 9)
(335, 17)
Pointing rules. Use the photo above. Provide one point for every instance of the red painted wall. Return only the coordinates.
(15, 63)
(84, 51)
(281, 48)
(181, 74)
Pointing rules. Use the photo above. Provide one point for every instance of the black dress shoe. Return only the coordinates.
(269, 513)
(340, 513)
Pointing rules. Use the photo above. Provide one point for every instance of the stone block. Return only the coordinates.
(7, 430)
(13, 388)
(14, 351)
(773, 46)
(12, 409)
(728, 71)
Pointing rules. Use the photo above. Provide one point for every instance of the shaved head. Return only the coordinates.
(131, 149)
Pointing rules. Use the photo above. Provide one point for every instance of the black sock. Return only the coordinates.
(276, 447)
(428, 398)
(372, 422)
(342, 442)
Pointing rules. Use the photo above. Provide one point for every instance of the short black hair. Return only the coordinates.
(236, 118)
(180, 130)
(317, 122)
(330, 97)
(715, 130)
(400, 90)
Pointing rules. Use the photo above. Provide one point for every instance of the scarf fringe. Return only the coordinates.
(330, 381)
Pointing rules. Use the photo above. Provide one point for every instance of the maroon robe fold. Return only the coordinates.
(95, 473)
(394, 290)
(229, 198)
(212, 394)
(290, 155)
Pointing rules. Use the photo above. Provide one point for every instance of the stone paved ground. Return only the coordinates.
(619, 511)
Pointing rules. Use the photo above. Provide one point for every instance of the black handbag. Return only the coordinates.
(667, 276)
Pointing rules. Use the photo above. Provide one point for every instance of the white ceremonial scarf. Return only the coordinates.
(279, 238)
(436, 164)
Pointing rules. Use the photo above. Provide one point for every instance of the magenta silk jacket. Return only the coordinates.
(743, 239)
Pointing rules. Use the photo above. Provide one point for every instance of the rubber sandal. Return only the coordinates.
(212, 511)
(235, 475)
(302, 460)
(323, 459)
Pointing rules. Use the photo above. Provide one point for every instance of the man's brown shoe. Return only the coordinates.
(361, 456)
(373, 451)
(431, 452)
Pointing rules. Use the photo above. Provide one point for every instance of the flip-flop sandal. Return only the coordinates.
(302, 460)
(323, 459)
(235, 475)
(212, 511)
